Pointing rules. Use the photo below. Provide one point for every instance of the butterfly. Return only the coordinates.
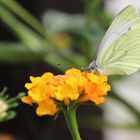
(119, 51)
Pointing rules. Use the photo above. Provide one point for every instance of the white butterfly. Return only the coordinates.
(119, 51)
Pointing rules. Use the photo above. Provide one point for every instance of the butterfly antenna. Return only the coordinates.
(81, 68)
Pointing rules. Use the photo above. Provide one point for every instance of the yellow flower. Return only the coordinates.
(47, 106)
(53, 92)
(66, 91)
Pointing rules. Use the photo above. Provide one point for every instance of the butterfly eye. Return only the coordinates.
(93, 68)
(90, 69)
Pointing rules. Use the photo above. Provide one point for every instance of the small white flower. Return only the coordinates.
(3, 108)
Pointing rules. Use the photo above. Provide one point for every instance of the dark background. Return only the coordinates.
(27, 125)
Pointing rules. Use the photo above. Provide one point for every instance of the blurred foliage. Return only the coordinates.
(7, 104)
(62, 38)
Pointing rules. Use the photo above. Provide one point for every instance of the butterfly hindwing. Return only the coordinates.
(123, 56)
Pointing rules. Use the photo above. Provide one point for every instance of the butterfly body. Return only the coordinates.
(119, 51)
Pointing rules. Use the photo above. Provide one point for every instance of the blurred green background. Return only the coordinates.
(45, 35)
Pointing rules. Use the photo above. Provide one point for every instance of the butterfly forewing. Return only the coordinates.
(119, 51)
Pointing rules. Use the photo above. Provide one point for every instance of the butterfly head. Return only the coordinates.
(93, 68)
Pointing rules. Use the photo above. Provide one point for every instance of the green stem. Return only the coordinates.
(70, 117)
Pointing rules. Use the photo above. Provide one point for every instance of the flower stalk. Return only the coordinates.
(70, 117)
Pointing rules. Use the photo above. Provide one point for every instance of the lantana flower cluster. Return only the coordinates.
(52, 92)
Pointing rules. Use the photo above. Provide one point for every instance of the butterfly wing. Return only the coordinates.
(123, 56)
(119, 51)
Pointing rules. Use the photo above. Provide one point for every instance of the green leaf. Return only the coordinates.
(17, 52)
(24, 15)
(25, 34)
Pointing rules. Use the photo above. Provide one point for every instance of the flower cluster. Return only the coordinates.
(52, 92)
(6, 105)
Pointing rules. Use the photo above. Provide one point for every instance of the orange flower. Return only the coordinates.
(47, 106)
(53, 92)
(27, 100)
